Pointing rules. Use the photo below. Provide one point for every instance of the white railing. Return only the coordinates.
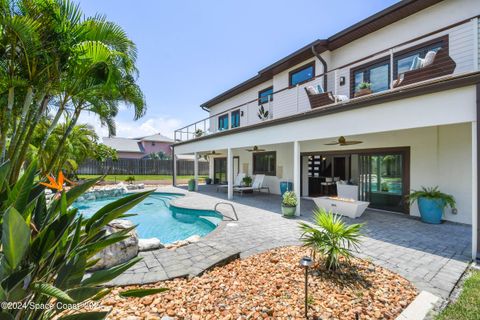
(293, 100)
(285, 102)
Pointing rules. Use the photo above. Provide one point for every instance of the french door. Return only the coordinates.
(384, 180)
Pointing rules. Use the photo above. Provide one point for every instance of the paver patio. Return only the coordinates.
(433, 257)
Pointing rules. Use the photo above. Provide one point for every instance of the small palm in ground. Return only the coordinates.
(331, 237)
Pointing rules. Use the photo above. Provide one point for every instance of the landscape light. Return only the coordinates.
(306, 262)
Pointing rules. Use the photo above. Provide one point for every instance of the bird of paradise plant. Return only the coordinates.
(58, 184)
(47, 248)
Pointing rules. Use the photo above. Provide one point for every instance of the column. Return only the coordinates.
(195, 170)
(174, 168)
(296, 173)
(474, 191)
(230, 173)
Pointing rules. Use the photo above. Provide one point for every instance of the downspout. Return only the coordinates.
(324, 64)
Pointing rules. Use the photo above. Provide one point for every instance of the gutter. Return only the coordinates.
(324, 64)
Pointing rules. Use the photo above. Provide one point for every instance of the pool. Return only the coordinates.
(157, 219)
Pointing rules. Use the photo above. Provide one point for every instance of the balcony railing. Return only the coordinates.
(459, 58)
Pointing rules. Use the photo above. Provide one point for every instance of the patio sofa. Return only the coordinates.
(318, 98)
(441, 65)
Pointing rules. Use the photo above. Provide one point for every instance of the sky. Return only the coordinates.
(192, 50)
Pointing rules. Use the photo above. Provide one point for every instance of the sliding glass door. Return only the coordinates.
(220, 169)
(383, 180)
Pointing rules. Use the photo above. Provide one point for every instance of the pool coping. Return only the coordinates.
(189, 260)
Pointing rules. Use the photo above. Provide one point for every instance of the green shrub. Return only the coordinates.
(46, 247)
(289, 199)
(247, 181)
(331, 237)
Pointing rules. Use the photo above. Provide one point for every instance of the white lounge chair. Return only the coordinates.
(236, 183)
(257, 185)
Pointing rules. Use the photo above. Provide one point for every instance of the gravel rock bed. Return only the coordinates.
(271, 286)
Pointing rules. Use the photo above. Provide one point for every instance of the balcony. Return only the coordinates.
(392, 70)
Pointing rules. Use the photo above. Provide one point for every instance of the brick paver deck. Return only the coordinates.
(433, 257)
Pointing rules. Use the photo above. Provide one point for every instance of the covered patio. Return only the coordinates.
(433, 257)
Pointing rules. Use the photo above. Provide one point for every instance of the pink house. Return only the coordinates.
(138, 148)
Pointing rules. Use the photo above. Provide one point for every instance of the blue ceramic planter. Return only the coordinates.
(431, 210)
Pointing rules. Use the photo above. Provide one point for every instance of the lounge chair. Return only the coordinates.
(236, 183)
(257, 185)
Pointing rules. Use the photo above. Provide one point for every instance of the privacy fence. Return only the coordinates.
(141, 167)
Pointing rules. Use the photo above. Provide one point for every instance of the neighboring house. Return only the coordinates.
(414, 125)
(138, 148)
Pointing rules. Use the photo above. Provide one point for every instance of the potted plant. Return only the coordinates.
(431, 203)
(208, 181)
(191, 185)
(289, 204)
(130, 180)
(363, 89)
(247, 181)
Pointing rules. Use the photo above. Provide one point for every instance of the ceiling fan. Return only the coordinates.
(211, 153)
(255, 149)
(343, 142)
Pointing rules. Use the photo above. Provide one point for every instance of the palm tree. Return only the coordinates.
(78, 146)
(52, 60)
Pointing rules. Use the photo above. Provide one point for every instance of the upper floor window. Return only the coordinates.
(412, 58)
(235, 115)
(377, 74)
(223, 122)
(265, 163)
(265, 95)
(302, 74)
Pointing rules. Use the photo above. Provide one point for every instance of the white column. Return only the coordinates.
(230, 173)
(296, 173)
(174, 173)
(210, 168)
(474, 191)
(195, 170)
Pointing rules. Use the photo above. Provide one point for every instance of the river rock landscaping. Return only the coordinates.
(270, 285)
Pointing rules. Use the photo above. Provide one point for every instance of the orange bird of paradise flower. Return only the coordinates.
(58, 184)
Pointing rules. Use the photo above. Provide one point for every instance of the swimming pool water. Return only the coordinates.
(156, 219)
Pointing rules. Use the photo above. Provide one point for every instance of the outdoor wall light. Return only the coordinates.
(241, 113)
(306, 262)
(342, 81)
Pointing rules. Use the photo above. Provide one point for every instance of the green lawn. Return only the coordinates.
(467, 307)
(120, 178)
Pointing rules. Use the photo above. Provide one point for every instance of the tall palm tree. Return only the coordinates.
(53, 60)
(78, 146)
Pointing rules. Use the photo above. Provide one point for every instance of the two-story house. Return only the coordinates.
(389, 104)
(141, 147)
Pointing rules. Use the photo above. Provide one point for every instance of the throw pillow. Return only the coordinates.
(429, 58)
(320, 89)
(416, 63)
(311, 90)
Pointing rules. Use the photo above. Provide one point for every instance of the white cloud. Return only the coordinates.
(130, 129)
